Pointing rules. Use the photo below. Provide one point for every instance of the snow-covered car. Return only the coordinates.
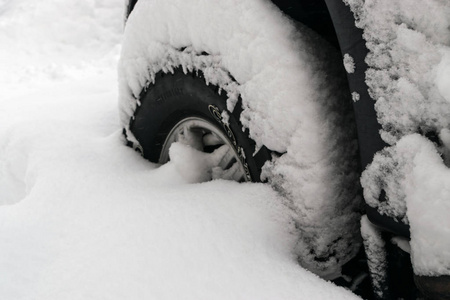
(307, 95)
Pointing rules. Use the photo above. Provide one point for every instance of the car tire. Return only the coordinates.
(176, 99)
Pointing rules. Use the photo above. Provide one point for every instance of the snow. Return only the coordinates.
(408, 76)
(376, 255)
(385, 174)
(294, 102)
(416, 182)
(428, 192)
(408, 42)
(443, 76)
(57, 47)
(195, 166)
(84, 217)
(349, 63)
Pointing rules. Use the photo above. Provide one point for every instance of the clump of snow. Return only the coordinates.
(292, 100)
(417, 186)
(349, 63)
(193, 165)
(225, 118)
(196, 166)
(376, 255)
(385, 175)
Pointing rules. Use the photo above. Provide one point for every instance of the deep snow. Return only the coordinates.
(84, 217)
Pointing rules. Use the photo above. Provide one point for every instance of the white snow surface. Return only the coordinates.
(84, 217)
(409, 77)
(293, 103)
(55, 39)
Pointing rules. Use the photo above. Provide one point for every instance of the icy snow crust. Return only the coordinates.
(83, 217)
(293, 103)
(409, 77)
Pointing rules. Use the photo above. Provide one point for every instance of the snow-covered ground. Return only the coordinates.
(83, 216)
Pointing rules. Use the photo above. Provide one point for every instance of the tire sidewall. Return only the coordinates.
(176, 96)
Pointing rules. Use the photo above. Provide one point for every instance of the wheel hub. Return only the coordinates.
(201, 135)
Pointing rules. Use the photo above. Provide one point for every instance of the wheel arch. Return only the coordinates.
(334, 21)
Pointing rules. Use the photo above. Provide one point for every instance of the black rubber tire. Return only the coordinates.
(174, 97)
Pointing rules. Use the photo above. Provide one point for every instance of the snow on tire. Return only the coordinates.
(279, 82)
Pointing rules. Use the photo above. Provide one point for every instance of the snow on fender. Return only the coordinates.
(284, 80)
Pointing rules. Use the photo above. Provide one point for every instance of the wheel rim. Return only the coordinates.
(207, 138)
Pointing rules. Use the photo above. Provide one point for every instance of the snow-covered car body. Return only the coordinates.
(377, 70)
